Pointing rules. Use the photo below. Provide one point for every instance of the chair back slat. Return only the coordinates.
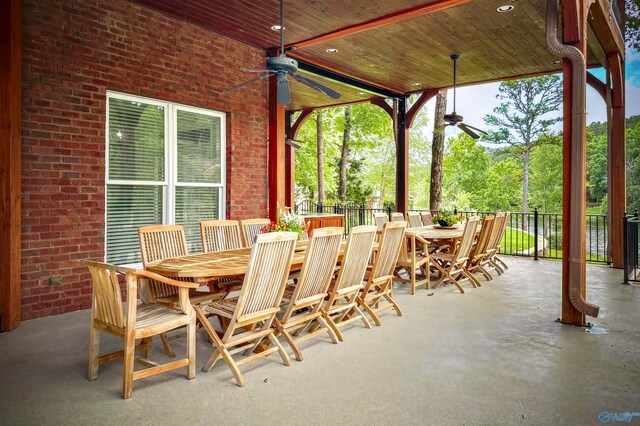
(319, 263)
(380, 219)
(391, 242)
(159, 242)
(499, 225)
(485, 236)
(356, 256)
(267, 272)
(414, 219)
(397, 217)
(426, 218)
(468, 236)
(251, 228)
(218, 235)
(107, 299)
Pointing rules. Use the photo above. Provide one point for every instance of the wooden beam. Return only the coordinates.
(598, 85)
(425, 97)
(570, 315)
(596, 48)
(382, 103)
(382, 21)
(617, 199)
(605, 28)
(295, 127)
(402, 157)
(276, 151)
(10, 115)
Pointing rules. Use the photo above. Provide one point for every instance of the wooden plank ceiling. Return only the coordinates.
(493, 46)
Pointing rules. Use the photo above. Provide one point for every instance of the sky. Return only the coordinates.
(474, 102)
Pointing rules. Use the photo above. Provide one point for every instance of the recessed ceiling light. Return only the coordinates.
(362, 93)
(276, 27)
(505, 8)
(416, 84)
(556, 62)
(332, 50)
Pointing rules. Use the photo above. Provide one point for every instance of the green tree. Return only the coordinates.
(632, 23)
(437, 152)
(465, 169)
(633, 163)
(529, 109)
(501, 189)
(546, 176)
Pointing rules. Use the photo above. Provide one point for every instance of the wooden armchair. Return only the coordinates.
(380, 219)
(159, 242)
(491, 261)
(254, 309)
(137, 322)
(346, 288)
(426, 218)
(479, 251)
(414, 220)
(251, 228)
(452, 265)
(379, 286)
(305, 298)
(414, 258)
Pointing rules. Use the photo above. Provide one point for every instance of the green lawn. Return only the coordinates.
(516, 240)
(591, 257)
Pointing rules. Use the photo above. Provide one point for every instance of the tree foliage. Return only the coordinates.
(632, 23)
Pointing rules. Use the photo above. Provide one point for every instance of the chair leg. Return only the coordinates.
(333, 325)
(330, 331)
(94, 352)
(395, 305)
(283, 354)
(167, 345)
(504, 265)
(290, 340)
(364, 319)
(191, 349)
(129, 359)
(370, 311)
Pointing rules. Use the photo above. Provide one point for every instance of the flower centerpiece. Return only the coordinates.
(446, 218)
(289, 222)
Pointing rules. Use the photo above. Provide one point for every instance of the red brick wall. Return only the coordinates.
(73, 52)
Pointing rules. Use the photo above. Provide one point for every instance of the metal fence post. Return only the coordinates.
(361, 214)
(625, 248)
(389, 212)
(535, 233)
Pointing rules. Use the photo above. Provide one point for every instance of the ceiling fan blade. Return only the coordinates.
(291, 143)
(476, 129)
(257, 70)
(315, 85)
(284, 94)
(260, 77)
(468, 131)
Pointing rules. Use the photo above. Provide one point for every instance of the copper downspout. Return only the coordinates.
(577, 196)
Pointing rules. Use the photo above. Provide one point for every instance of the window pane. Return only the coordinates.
(136, 141)
(198, 148)
(194, 204)
(129, 207)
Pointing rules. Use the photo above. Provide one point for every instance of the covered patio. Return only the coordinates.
(492, 356)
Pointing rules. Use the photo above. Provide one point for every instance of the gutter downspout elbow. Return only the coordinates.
(577, 197)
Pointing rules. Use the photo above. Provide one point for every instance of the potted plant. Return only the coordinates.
(289, 222)
(446, 218)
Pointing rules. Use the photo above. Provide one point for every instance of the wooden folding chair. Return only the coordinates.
(491, 262)
(426, 218)
(251, 228)
(350, 282)
(380, 219)
(452, 265)
(414, 259)
(253, 311)
(137, 322)
(479, 251)
(414, 220)
(218, 235)
(305, 298)
(159, 242)
(397, 217)
(379, 286)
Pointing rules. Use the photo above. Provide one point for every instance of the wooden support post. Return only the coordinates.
(276, 151)
(289, 166)
(617, 199)
(573, 16)
(402, 157)
(10, 115)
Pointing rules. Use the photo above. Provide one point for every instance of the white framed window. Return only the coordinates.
(165, 163)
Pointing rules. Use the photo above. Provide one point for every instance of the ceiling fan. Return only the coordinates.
(455, 119)
(283, 67)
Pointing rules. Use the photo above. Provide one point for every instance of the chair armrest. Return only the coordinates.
(163, 279)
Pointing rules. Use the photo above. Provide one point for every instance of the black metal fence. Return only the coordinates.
(532, 234)
(631, 234)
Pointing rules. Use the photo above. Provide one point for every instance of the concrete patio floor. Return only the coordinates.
(494, 355)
